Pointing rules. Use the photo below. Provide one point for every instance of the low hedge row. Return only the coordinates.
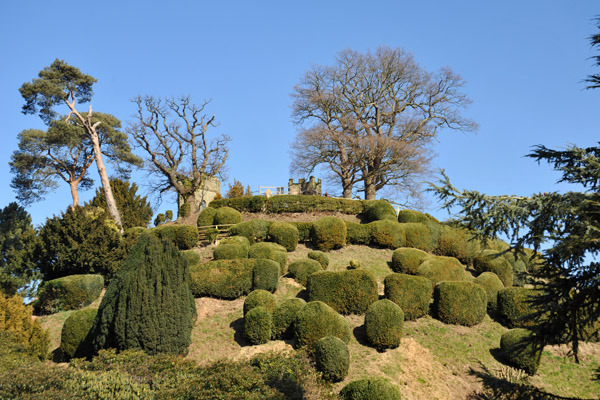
(291, 204)
(68, 293)
(411, 293)
(348, 292)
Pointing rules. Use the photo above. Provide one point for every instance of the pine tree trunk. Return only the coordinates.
(74, 194)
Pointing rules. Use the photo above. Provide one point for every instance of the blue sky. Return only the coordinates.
(523, 62)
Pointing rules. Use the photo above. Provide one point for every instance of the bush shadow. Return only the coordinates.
(360, 333)
(238, 329)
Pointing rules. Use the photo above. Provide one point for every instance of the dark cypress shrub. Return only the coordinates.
(440, 268)
(411, 293)
(492, 284)
(387, 234)
(332, 358)
(461, 303)
(270, 251)
(407, 216)
(418, 236)
(304, 230)
(259, 298)
(518, 350)
(75, 338)
(223, 279)
(227, 216)
(257, 325)
(378, 210)
(256, 230)
(265, 275)
(230, 251)
(316, 320)
(329, 233)
(207, 217)
(492, 261)
(68, 293)
(407, 260)
(320, 257)
(347, 292)
(285, 234)
(284, 316)
(458, 243)
(149, 304)
(384, 321)
(300, 270)
(370, 388)
(358, 233)
(514, 305)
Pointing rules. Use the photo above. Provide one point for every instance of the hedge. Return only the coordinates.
(408, 216)
(184, 237)
(75, 339)
(257, 325)
(458, 243)
(316, 320)
(517, 349)
(304, 230)
(492, 261)
(411, 293)
(370, 388)
(387, 234)
(461, 303)
(192, 257)
(320, 257)
(240, 240)
(492, 284)
(358, 233)
(378, 210)
(251, 204)
(230, 251)
(332, 358)
(265, 275)
(270, 251)
(300, 270)
(223, 279)
(256, 230)
(440, 268)
(384, 321)
(418, 236)
(207, 217)
(407, 260)
(348, 292)
(329, 233)
(227, 216)
(68, 293)
(514, 306)
(302, 204)
(259, 298)
(284, 316)
(285, 234)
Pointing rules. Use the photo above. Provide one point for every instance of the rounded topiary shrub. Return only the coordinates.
(284, 316)
(320, 257)
(207, 217)
(370, 388)
(239, 240)
(332, 358)
(304, 230)
(285, 234)
(222, 279)
(329, 233)
(348, 292)
(411, 293)
(387, 234)
(458, 243)
(358, 233)
(192, 257)
(257, 325)
(492, 261)
(517, 349)
(256, 230)
(407, 260)
(75, 338)
(68, 293)
(418, 236)
(265, 275)
(230, 251)
(354, 264)
(270, 251)
(440, 268)
(384, 321)
(460, 303)
(300, 270)
(514, 305)
(316, 320)
(378, 210)
(184, 210)
(408, 216)
(260, 298)
(184, 237)
(492, 284)
(227, 216)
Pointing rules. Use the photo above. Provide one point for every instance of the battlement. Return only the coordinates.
(312, 187)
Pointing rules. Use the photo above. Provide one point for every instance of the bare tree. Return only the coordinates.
(173, 133)
(372, 116)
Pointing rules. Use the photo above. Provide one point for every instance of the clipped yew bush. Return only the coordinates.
(300, 270)
(265, 275)
(192, 257)
(284, 316)
(518, 350)
(378, 210)
(412, 293)
(348, 292)
(492, 284)
(68, 293)
(227, 216)
(257, 325)
(329, 233)
(408, 216)
(384, 321)
(207, 217)
(316, 320)
(370, 388)
(230, 251)
(418, 236)
(75, 338)
(460, 303)
(304, 230)
(256, 230)
(184, 237)
(492, 261)
(260, 298)
(458, 243)
(440, 268)
(358, 233)
(354, 264)
(407, 260)
(387, 234)
(222, 279)
(270, 251)
(285, 234)
(514, 305)
(332, 358)
(239, 240)
(320, 257)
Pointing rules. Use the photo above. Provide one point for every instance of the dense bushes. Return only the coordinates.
(207, 217)
(332, 358)
(184, 237)
(270, 251)
(192, 257)
(518, 350)
(408, 216)
(230, 251)
(257, 325)
(384, 321)
(492, 284)
(411, 293)
(320, 257)
(462, 303)
(378, 210)
(387, 234)
(75, 338)
(316, 320)
(256, 230)
(259, 298)
(348, 292)
(304, 230)
(514, 305)
(418, 236)
(291, 204)
(370, 388)
(227, 216)
(300, 270)
(458, 243)
(265, 275)
(358, 233)
(68, 293)
(223, 279)
(251, 204)
(407, 260)
(284, 234)
(441, 268)
(329, 233)
(492, 261)
(284, 316)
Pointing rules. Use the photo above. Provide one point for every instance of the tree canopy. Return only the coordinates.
(593, 80)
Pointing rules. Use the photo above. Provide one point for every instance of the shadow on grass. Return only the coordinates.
(360, 333)
(238, 336)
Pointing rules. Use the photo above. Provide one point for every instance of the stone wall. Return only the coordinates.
(311, 187)
(205, 194)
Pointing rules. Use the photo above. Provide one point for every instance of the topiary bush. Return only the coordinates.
(285, 234)
(270, 251)
(458, 243)
(370, 388)
(378, 210)
(257, 325)
(256, 230)
(492, 261)
(461, 303)
(184, 237)
(492, 284)
(407, 260)
(207, 217)
(239, 240)
(184, 210)
(192, 257)
(300, 270)
(149, 304)
(387, 234)
(68, 293)
(354, 264)
(230, 251)
(259, 298)
(265, 275)
(514, 305)
(408, 216)
(348, 292)
(384, 321)
(332, 358)
(227, 216)
(418, 236)
(222, 279)
(412, 293)
(440, 268)
(316, 320)
(251, 204)
(75, 338)
(304, 230)
(160, 219)
(284, 316)
(320, 257)
(358, 233)
(329, 233)
(518, 350)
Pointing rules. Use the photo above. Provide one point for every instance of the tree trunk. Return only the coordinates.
(75, 195)
(347, 190)
(370, 191)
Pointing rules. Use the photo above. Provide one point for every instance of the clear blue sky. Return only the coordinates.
(524, 62)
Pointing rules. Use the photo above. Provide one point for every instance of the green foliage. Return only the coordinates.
(160, 219)
(235, 190)
(230, 251)
(75, 338)
(329, 233)
(387, 234)
(492, 284)
(212, 234)
(332, 358)
(184, 211)
(253, 204)
(184, 237)
(259, 298)
(227, 216)
(348, 292)
(16, 319)
(378, 210)
(304, 230)
(518, 349)
(256, 230)
(149, 304)
(492, 261)
(370, 388)
(515, 304)
(440, 268)
(285, 234)
(270, 251)
(304, 204)
(407, 260)
(169, 215)
(320, 257)
(284, 316)
(300, 270)
(265, 275)
(384, 321)
(411, 293)
(458, 243)
(316, 320)
(354, 264)
(239, 240)
(191, 257)
(223, 279)
(68, 293)
(407, 216)
(207, 217)
(358, 233)
(418, 236)
(257, 325)
(461, 303)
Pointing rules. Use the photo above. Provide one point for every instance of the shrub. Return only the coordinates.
(168, 216)
(492, 261)
(68, 293)
(223, 279)
(16, 320)
(159, 219)
(227, 216)
(358, 233)
(384, 321)
(408, 216)
(239, 240)
(184, 237)
(251, 204)
(316, 320)
(270, 251)
(212, 234)
(265, 275)
(407, 260)
(518, 350)
(418, 236)
(230, 251)
(284, 234)
(354, 264)
(184, 210)
(192, 257)
(257, 325)
(75, 338)
(461, 303)
(492, 284)
(329, 233)
(284, 316)
(149, 304)
(207, 217)
(378, 210)
(440, 268)
(332, 358)
(411, 293)
(256, 230)
(303, 204)
(320, 257)
(370, 388)
(387, 234)
(458, 243)
(348, 292)
(302, 269)
(304, 230)
(514, 305)
(259, 298)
